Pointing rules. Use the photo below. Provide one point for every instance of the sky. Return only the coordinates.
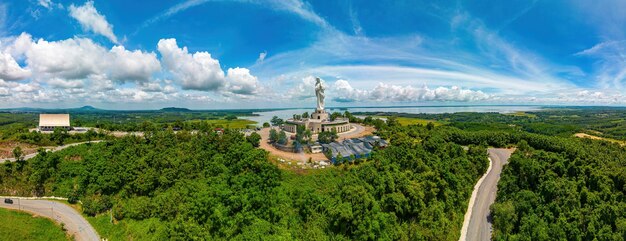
(204, 54)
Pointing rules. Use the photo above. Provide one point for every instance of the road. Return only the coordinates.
(58, 148)
(477, 223)
(74, 223)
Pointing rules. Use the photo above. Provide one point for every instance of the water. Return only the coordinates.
(266, 116)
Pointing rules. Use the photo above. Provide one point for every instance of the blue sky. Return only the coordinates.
(206, 54)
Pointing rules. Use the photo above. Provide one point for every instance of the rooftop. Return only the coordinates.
(54, 120)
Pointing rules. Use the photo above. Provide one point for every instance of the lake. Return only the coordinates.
(265, 116)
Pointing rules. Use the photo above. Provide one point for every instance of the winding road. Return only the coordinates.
(58, 148)
(73, 222)
(477, 223)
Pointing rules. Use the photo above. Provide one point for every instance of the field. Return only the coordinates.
(236, 124)
(585, 135)
(405, 121)
(23, 226)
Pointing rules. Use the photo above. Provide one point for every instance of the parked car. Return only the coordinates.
(8, 201)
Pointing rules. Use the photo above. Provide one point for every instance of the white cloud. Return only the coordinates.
(90, 19)
(240, 81)
(68, 59)
(65, 84)
(396, 93)
(81, 58)
(305, 89)
(197, 71)
(49, 4)
(45, 3)
(610, 65)
(132, 65)
(262, 56)
(344, 92)
(10, 70)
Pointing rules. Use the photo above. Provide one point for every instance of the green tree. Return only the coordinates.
(273, 135)
(59, 135)
(305, 115)
(230, 117)
(276, 121)
(17, 153)
(266, 125)
(282, 138)
(254, 139)
(326, 137)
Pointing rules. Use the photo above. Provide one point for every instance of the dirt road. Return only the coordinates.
(58, 148)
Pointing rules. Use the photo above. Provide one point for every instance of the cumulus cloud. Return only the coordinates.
(132, 65)
(240, 81)
(346, 93)
(91, 20)
(342, 91)
(69, 59)
(81, 58)
(396, 93)
(10, 70)
(197, 71)
(304, 89)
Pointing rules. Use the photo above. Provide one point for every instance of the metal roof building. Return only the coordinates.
(47, 122)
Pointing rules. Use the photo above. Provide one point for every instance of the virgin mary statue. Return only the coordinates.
(319, 93)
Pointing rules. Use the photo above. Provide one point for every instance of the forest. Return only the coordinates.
(208, 186)
(211, 186)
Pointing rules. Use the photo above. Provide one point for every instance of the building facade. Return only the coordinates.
(48, 122)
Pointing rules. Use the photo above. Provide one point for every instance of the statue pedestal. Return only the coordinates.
(320, 115)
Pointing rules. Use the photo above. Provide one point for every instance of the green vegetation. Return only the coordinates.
(182, 186)
(405, 121)
(23, 226)
(326, 137)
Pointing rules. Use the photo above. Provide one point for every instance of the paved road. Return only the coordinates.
(58, 148)
(74, 223)
(479, 225)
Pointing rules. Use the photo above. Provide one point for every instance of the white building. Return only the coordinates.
(48, 122)
(320, 119)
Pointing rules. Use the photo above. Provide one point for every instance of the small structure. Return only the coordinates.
(320, 119)
(48, 122)
(315, 148)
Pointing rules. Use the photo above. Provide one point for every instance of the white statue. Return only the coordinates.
(319, 92)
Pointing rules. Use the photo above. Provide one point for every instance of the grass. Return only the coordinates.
(127, 229)
(405, 121)
(237, 123)
(585, 135)
(521, 113)
(23, 226)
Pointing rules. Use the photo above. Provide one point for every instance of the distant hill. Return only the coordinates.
(87, 107)
(175, 109)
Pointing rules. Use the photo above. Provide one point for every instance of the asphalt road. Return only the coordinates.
(58, 148)
(479, 226)
(74, 223)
